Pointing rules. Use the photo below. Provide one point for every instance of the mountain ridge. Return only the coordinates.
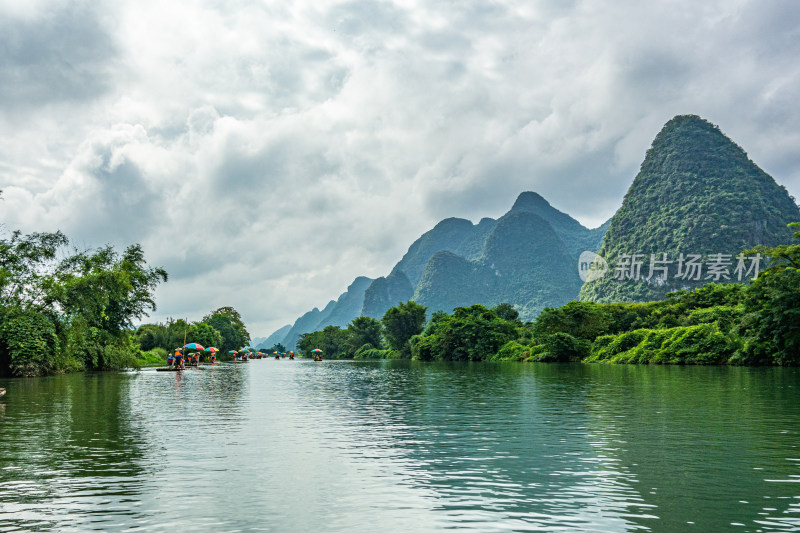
(528, 256)
(697, 192)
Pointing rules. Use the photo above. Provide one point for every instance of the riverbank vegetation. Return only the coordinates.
(222, 329)
(369, 338)
(63, 310)
(739, 324)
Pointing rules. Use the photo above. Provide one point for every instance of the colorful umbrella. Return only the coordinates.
(316, 350)
(232, 351)
(193, 346)
(210, 349)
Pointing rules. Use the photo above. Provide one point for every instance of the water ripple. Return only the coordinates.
(344, 446)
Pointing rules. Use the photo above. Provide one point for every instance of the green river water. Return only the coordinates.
(403, 446)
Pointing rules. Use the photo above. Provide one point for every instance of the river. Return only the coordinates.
(403, 446)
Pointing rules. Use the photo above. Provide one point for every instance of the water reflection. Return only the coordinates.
(80, 451)
(403, 446)
(582, 447)
(704, 441)
(68, 455)
(493, 447)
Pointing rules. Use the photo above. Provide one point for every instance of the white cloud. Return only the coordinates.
(266, 154)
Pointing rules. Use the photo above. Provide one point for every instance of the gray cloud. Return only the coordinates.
(63, 54)
(268, 153)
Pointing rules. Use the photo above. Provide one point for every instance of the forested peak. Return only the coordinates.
(701, 184)
(445, 257)
(531, 201)
(697, 193)
(689, 143)
(452, 223)
(518, 233)
(566, 226)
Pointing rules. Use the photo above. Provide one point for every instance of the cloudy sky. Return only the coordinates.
(266, 153)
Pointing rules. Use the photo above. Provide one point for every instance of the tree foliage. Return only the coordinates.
(364, 331)
(222, 329)
(228, 322)
(109, 291)
(474, 333)
(26, 264)
(697, 192)
(29, 342)
(205, 334)
(332, 341)
(402, 322)
(771, 326)
(72, 313)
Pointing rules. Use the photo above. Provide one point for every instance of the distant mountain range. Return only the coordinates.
(697, 192)
(272, 340)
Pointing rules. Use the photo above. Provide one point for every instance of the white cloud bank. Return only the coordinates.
(267, 153)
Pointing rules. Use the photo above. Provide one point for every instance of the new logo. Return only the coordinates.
(591, 266)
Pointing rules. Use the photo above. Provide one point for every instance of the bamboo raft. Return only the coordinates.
(180, 369)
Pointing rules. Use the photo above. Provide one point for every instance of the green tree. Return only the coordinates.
(564, 347)
(506, 311)
(177, 333)
(363, 330)
(472, 333)
(90, 298)
(402, 322)
(205, 334)
(107, 290)
(332, 341)
(29, 343)
(26, 266)
(228, 322)
(585, 320)
(771, 327)
(150, 336)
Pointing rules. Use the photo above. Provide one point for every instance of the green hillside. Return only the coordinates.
(524, 262)
(448, 235)
(574, 235)
(386, 292)
(697, 193)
